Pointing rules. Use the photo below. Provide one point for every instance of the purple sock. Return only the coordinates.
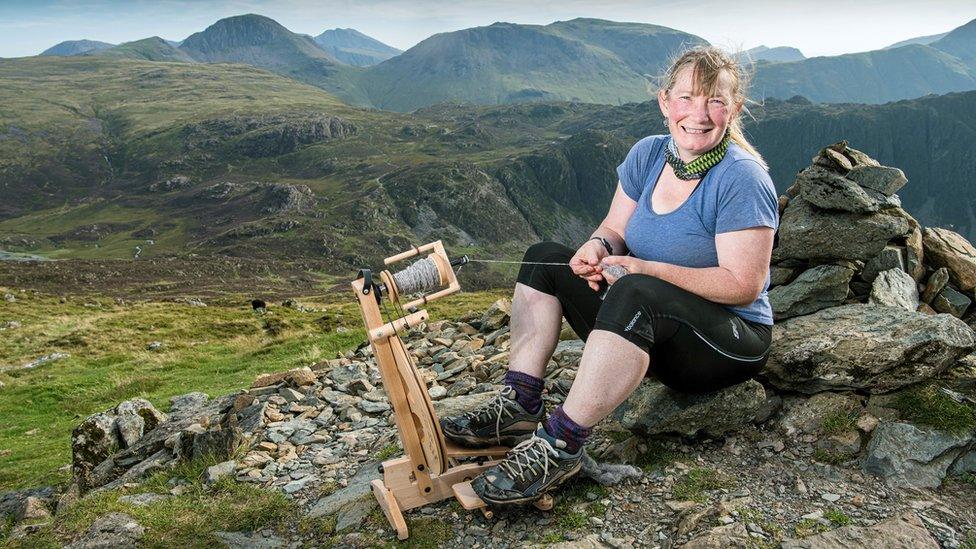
(561, 426)
(528, 390)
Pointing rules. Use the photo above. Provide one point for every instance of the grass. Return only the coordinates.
(837, 517)
(838, 422)
(187, 520)
(656, 457)
(809, 527)
(217, 350)
(387, 452)
(697, 481)
(826, 456)
(928, 405)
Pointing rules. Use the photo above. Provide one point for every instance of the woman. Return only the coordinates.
(692, 222)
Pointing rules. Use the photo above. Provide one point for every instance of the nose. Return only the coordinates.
(699, 110)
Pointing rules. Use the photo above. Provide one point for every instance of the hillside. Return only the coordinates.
(777, 55)
(147, 49)
(355, 48)
(580, 60)
(76, 47)
(261, 42)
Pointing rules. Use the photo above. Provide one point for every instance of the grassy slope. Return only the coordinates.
(217, 350)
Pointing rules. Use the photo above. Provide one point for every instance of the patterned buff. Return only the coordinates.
(697, 168)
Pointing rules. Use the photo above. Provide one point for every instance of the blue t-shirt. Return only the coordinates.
(735, 194)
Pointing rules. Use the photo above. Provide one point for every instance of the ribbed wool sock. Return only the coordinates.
(528, 390)
(561, 426)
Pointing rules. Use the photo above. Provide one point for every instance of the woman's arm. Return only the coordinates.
(587, 259)
(743, 264)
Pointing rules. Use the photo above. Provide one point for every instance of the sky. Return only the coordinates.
(822, 27)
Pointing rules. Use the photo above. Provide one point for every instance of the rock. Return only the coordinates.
(155, 346)
(654, 408)
(951, 302)
(115, 530)
(497, 315)
(217, 472)
(357, 489)
(944, 248)
(134, 418)
(837, 160)
(883, 179)
(458, 405)
(895, 288)
(843, 445)
(806, 415)
(869, 347)
(351, 516)
(245, 540)
(832, 191)
(891, 257)
(33, 508)
(914, 252)
(437, 392)
(817, 288)
(184, 405)
(808, 233)
(45, 359)
(934, 285)
(300, 377)
(373, 407)
(721, 537)
(909, 455)
(143, 500)
(91, 443)
(902, 532)
(590, 541)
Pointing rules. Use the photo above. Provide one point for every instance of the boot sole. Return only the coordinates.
(530, 499)
(472, 441)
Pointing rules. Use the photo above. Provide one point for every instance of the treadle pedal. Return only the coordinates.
(469, 500)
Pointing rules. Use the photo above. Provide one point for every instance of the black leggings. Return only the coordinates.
(695, 345)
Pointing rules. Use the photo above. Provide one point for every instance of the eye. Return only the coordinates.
(684, 97)
(717, 101)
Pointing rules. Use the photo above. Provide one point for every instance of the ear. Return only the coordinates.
(662, 101)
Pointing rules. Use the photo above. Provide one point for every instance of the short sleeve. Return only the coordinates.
(632, 172)
(747, 199)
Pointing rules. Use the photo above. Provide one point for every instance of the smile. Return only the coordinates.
(696, 131)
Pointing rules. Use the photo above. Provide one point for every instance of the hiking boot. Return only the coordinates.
(500, 421)
(531, 469)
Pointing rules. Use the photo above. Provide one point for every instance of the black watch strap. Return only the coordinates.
(605, 242)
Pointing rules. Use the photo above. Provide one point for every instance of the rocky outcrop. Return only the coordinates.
(909, 455)
(864, 347)
(655, 409)
(116, 530)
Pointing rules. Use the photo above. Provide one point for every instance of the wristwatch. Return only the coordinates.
(605, 242)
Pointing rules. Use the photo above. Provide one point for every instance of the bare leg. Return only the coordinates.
(536, 320)
(611, 368)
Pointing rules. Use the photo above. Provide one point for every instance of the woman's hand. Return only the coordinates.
(628, 262)
(586, 263)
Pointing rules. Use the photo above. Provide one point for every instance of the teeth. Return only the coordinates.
(689, 130)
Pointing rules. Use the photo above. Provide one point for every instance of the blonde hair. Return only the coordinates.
(707, 64)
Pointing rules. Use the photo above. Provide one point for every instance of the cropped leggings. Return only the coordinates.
(695, 345)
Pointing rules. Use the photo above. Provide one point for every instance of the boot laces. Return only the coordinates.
(495, 407)
(527, 457)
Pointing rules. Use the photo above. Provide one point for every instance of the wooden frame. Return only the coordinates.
(429, 471)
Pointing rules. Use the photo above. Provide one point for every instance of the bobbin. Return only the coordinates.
(430, 469)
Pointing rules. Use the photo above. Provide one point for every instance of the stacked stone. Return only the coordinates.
(844, 238)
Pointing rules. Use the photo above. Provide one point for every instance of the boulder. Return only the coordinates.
(91, 443)
(219, 471)
(891, 257)
(901, 532)
(721, 537)
(951, 302)
(806, 415)
(908, 455)
(915, 252)
(864, 347)
(884, 179)
(135, 417)
(116, 530)
(894, 288)
(934, 285)
(807, 232)
(817, 288)
(831, 191)
(459, 404)
(357, 489)
(654, 408)
(497, 315)
(945, 248)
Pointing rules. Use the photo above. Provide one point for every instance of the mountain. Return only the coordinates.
(960, 42)
(262, 42)
(76, 47)
(148, 49)
(581, 60)
(870, 77)
(355, 48)
(776, 55)
(923, 40)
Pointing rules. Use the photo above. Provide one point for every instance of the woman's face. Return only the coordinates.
(697, 123)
